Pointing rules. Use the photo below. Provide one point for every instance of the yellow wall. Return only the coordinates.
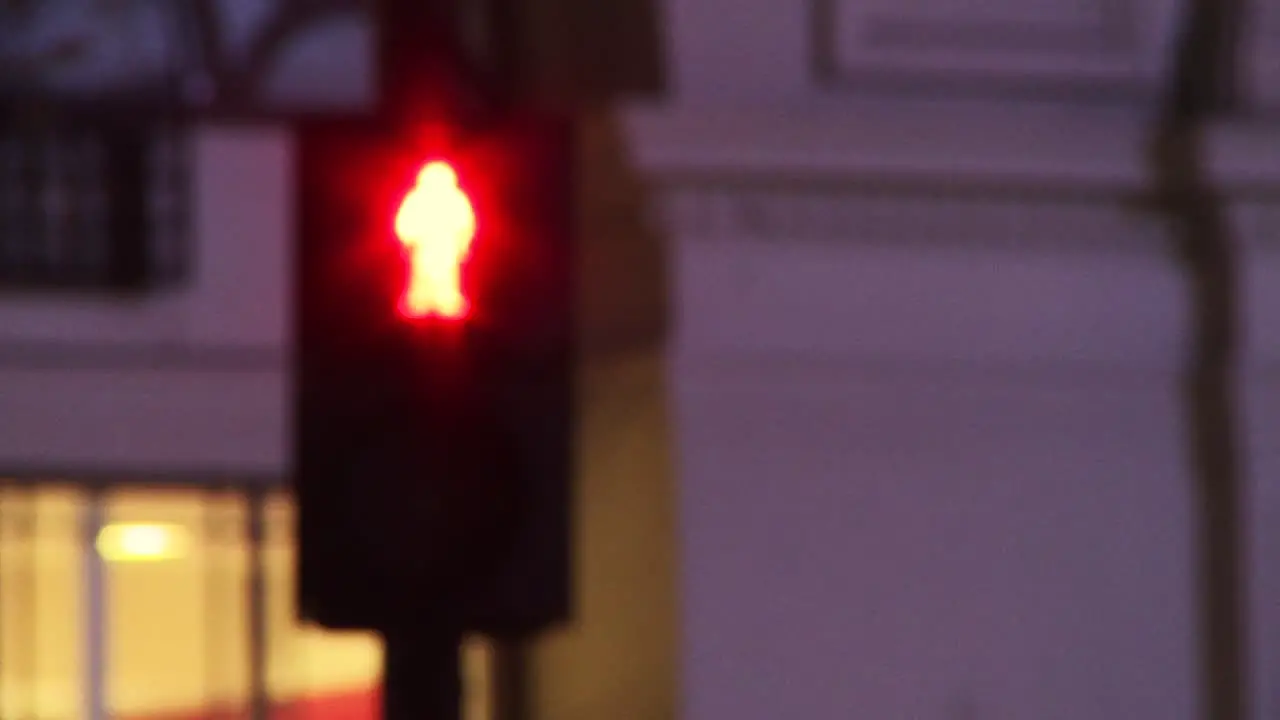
(618, 659)
(177, 628)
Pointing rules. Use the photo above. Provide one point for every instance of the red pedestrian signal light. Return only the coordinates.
(434, 402)
(436, 227)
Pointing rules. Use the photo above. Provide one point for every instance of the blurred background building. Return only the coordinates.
(887, 396)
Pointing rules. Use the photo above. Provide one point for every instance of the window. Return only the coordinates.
(172, 614)
(93, 207)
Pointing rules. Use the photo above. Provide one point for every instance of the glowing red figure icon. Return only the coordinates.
(436, 225)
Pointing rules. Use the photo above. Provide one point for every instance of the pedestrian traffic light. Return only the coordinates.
(433, 372)
(436, 225)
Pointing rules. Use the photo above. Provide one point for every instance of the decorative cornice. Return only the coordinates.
(987, 246)
(776, 271)
(1109, 31)
(1072, 43)
(921, 279)
(707, 210)
(1029, 147)
(853, 214)
(1261, 55)
(145, 423)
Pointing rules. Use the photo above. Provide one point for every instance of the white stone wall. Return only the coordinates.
(923, 375)
(1260, 401)
(186, 382)
(813, 51)
(926, 371)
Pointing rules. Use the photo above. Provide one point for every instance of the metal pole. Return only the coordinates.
(422, 673)
(509, 676)
(1205, 71)
(259, 694)
(95, 678)
(4, 537)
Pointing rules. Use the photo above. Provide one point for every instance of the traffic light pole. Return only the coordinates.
(422, 674)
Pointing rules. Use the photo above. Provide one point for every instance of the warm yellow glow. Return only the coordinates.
(436, 225)
(177, 629)
(142, 542)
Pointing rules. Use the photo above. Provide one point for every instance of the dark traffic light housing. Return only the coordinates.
(434, 451)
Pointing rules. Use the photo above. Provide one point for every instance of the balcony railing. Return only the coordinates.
(94, 207)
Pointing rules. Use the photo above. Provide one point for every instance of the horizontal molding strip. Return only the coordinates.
(1091, 148)
(140, 423)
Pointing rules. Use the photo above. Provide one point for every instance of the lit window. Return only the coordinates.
(142, 542)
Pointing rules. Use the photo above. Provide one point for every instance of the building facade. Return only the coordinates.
(884, 380)
(932, 364)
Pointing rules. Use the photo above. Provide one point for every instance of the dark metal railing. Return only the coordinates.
(102, 206)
